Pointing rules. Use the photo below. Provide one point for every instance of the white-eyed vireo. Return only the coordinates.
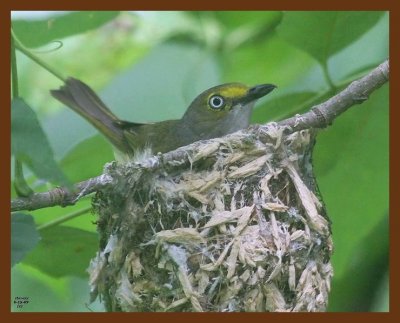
(218, 111)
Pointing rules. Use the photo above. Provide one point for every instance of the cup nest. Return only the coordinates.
(237, 224)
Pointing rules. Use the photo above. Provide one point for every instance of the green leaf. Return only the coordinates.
(324, 33)
(34, 33)
(364, 272)
(30, 145)
(229, 29)
(24, 236)
(247, 27)
(87, 158)
(237, 19)
(361, 56)
(381, 299)
(49, 294)
(64, 251)
(351, 162)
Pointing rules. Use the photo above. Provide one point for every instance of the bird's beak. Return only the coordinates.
(256, 92)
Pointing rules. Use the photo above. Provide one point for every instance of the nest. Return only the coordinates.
(236, 225)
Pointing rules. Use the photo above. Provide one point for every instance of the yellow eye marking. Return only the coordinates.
(233, 91)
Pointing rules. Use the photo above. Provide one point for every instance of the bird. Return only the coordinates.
(218, 111)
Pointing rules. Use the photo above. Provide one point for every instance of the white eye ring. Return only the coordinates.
(216, 102)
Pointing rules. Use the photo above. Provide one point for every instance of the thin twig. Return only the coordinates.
(319, 116)
(20, 185)
(64, 218)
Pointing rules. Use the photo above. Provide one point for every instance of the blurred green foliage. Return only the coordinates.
(24, 236)
(333, 32)
(27, 135)
(148, 66)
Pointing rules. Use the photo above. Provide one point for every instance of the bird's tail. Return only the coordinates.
(82, 99)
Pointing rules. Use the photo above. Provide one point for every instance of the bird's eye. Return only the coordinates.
(216, 102)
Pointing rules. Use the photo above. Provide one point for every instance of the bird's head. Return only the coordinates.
(218, 102)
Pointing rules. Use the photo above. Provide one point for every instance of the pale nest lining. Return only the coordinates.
(238, 228)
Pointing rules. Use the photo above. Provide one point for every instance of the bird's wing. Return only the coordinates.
(130, 126)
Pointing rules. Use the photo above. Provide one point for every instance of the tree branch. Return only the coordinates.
(319, 116)
(322, 115)
(60, 195)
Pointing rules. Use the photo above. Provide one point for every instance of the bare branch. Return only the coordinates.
(60, 195)
(319, 116)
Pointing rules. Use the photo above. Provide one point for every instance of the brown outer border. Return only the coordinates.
(7, 6)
